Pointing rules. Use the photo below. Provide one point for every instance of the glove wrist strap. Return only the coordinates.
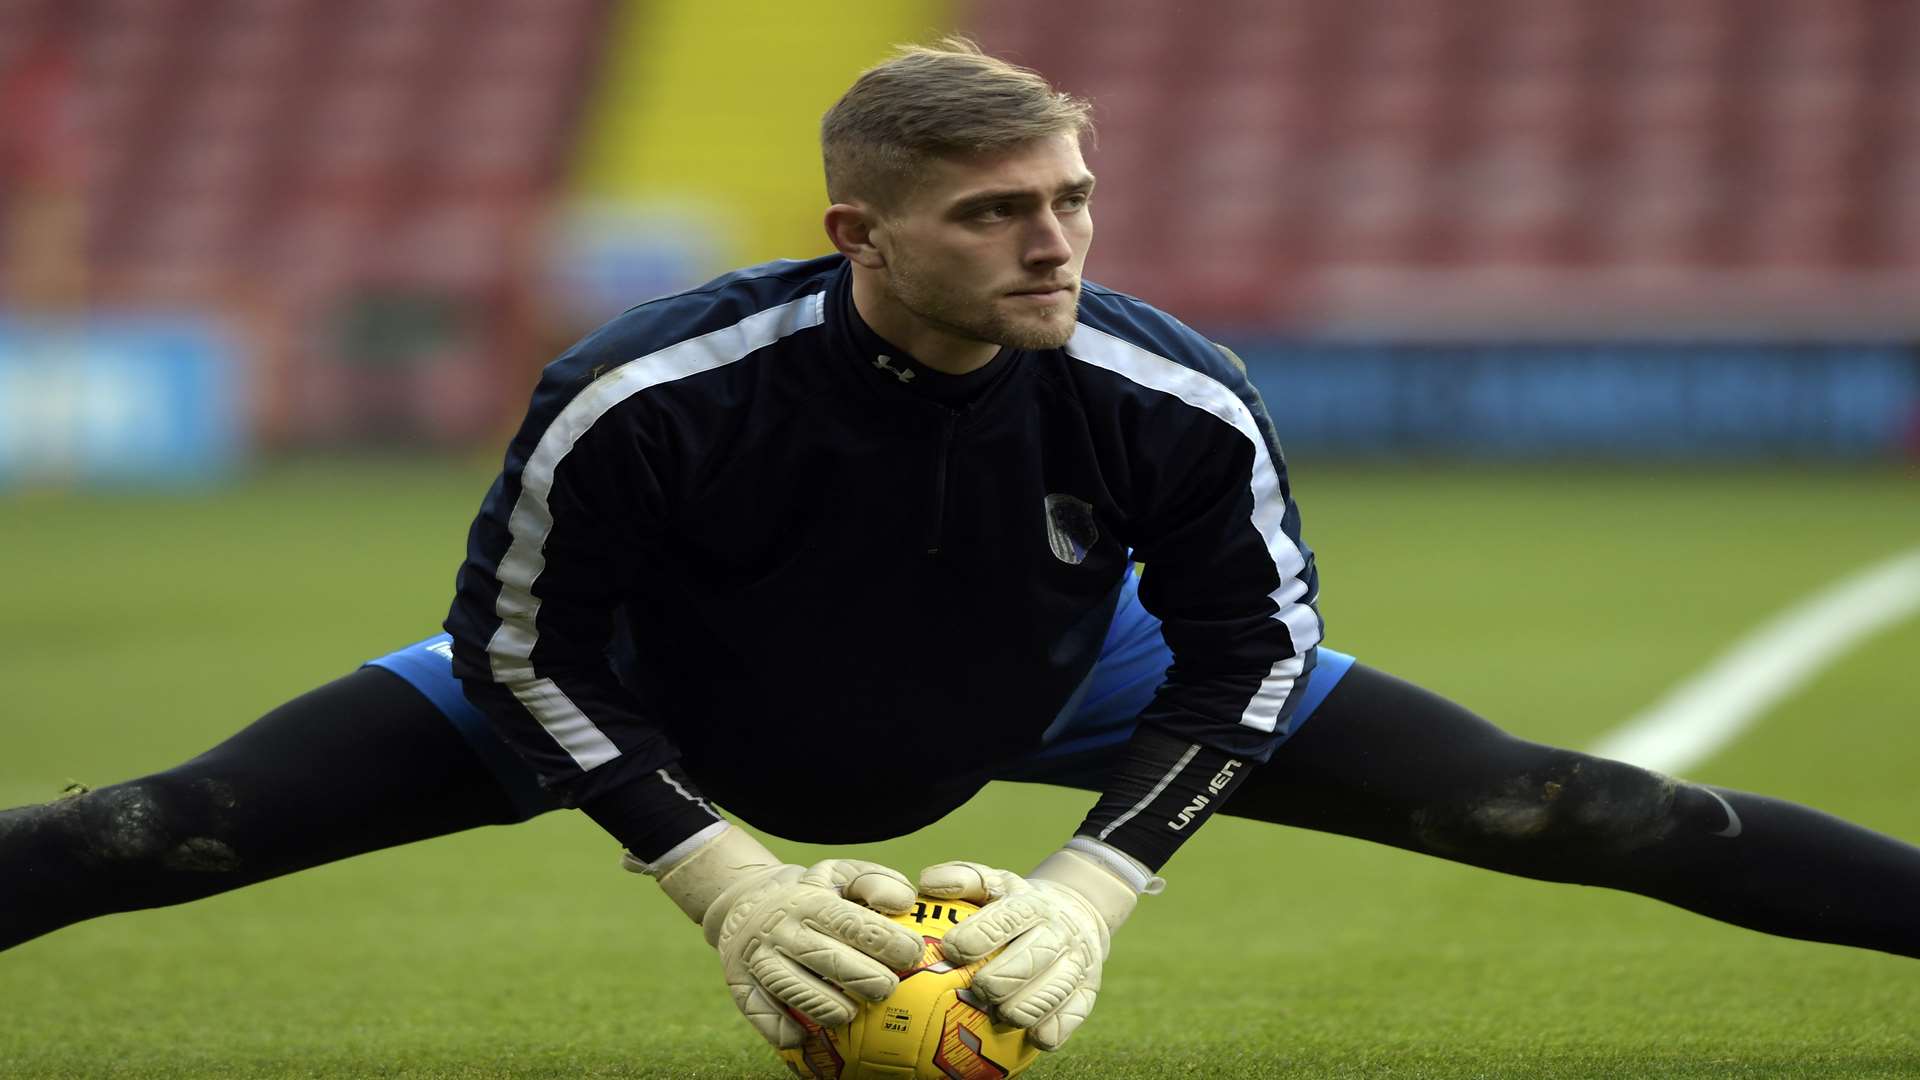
(1111, 896)
(1124, 866)
(672, 856)
(698, 878)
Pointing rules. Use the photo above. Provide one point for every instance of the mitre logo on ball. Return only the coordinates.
(930, 1028)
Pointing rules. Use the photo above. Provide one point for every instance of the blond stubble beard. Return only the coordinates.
(985, 322)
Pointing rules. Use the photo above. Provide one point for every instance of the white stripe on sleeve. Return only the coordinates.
(511, 648)
(1203, 392)
(1192, 749)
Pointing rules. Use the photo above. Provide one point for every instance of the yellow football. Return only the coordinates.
(931, 1028)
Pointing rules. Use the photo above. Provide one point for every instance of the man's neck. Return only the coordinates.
(936, 348)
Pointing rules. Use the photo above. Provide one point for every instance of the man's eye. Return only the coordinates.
(1075, 202)
(996, 212)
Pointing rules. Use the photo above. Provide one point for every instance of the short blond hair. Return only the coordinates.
(935, 101)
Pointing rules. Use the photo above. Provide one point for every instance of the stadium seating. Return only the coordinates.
(1303, 143)
(1563, 168)
(282, 157)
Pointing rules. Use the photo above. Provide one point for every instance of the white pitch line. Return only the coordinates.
(1711, 709)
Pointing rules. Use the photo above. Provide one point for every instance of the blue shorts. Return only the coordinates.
(1079, 748)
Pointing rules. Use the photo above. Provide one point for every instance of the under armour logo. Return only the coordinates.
(903, 374)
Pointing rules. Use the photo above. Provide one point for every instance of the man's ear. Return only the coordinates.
(851, 228)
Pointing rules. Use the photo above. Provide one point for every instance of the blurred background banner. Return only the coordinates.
(1636, 228)
(118, 401)
(1720, 401)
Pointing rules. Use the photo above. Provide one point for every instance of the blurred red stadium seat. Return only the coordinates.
(1708, 136)
(271, 156)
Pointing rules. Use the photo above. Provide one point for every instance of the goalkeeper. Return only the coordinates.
(776, 543)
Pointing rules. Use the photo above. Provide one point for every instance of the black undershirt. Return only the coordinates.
(889, 362)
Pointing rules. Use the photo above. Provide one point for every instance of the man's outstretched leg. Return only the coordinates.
(362, 763)
(1387, 761)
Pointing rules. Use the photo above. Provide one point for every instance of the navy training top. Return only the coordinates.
(741, 539)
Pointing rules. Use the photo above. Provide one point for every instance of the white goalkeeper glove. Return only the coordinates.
(789, 936)
(1052, 930)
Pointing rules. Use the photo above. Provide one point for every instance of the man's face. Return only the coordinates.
(989, 247)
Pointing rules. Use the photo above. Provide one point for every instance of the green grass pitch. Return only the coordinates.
(136, 630)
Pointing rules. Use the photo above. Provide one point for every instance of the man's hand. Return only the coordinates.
(807, 938)
(1052, 930)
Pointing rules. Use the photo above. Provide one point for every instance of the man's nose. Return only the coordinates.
(1047, 241)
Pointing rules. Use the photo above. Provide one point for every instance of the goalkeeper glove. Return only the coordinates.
(1051, 929)
(790, 937)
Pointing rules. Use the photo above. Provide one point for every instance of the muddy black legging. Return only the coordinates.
(365, 762)
(362, 763)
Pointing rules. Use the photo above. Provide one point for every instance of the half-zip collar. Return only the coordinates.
(888, 364)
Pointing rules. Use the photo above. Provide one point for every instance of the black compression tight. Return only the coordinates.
(1386, 761)
(366, 762)
(362, 763)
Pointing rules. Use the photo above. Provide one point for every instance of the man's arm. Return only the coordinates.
(563, 532)
(571, 521)
(1234, 588)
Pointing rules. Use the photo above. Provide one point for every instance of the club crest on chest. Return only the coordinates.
(1071, 528)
